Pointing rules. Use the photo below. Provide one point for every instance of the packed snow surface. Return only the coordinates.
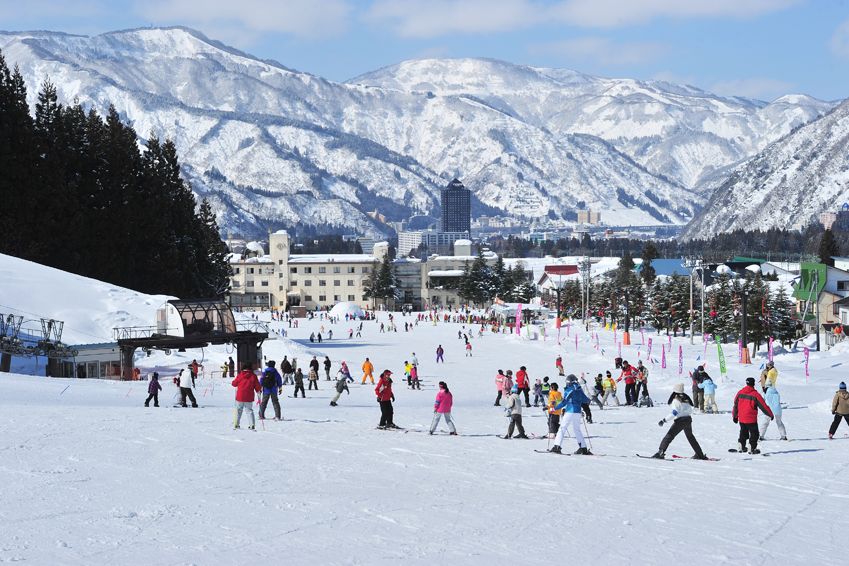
(91, 476)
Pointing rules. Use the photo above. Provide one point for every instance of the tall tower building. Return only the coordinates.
(456, 208)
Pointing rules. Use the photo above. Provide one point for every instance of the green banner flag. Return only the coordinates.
(722, 369)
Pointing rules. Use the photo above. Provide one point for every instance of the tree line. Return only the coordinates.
(78, 194)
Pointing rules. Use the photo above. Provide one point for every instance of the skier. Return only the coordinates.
(513, 408)
(769, 376)
(287, 371)
(586, 406)
(545, 390)
(327, 365)
(538, 392)
(368, 371)
(442, 408)
(195, 368)
(642, 380)
(682, 410)
(629, 374)
(609, 389)
(554, 398)
(186, 385)
(573, 399)
(246, 385)
(745, 411)
(153, 389)
(523, 382)
(439, 354)
(508, 382)
(598, 390)
(558, 363)
(468, 349)
(499, 386)
(407, 367)
(773, 400)
(272, 386)
(414, 360)
(313, 377)
(839, 408)
(341, 385)
(414, 378)
(345, 372)
(709, 388)
(699, 375)
(299, 384)
(385, 397)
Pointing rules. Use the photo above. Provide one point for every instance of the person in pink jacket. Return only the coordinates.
(499, 386)
(442, 408)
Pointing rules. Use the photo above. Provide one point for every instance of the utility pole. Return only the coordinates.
(817, 304)
(690, 264)
(744, 330)
(585, 266)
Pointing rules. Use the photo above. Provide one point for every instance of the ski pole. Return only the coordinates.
(589, 444)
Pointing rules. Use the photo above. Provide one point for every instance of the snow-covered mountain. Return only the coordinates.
(788, 184)
(271, 146)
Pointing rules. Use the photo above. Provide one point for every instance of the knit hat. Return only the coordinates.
(678, 388)
(750, 381)
(842, 386)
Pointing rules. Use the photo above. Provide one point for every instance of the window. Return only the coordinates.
(238, 270)
(279, 262)
(249, 284)
(236, 284)
(351, 297)
(250, 270)
(280, 275)
(281, 288)
(307, 297)
(293, 270)
(365, 270)
(308, 283)
(336, 269)
(352, 269)
(293, 283)
(308, 270)
(322, 269)
(843, 285)
(263, 283)
(365, 298)
(336, 282)
(337, 298)
(322, 298)
(350, 282)
(322, 283)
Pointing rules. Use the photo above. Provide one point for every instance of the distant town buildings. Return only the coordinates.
(589, 216)
(456, 208)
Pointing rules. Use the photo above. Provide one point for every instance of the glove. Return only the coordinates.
(661, 422)
(735, 421)
(393, 398)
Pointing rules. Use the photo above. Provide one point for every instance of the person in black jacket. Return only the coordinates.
(327, 365)
(287, 370)
(698, 377)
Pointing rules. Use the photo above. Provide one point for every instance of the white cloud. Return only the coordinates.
(433, 18)
(840, 40)
(234, 18)
(601, 50)
(754, 87)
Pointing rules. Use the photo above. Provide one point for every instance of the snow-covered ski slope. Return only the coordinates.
(90, 476)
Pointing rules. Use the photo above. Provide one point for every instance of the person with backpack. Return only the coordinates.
(246, 385)
(773, 400)
(385, 397)
(839, 408)
(524, 384)
(747, 402)
(709, 387)
(442, 409)
(681, 415)
(272, 386)
(341, 385)
(327, 365)
(573, 399)
(153, 389)
(299, 384)
(500, 378)
(513, 408)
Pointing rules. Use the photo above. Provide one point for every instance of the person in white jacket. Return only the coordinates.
(681, 415)
(186, 389)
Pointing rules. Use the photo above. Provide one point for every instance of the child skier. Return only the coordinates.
(538, 392)
(773, 400)
(341, 385)
(573, 399)
(839, 408)
(682, 410)
(299, 384)
(500, 378)
(709, 388)
(414, 377)
(385, 397)
(442, 408)
(513, 408)
(153, 389)
(554, 398)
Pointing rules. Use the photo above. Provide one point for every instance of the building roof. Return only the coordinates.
(445, 273)
(331, 258)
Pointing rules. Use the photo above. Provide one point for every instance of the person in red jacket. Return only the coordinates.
(558, 364)
(629, 374)
(745, 411)
(385, 397)
(246, 384)
(524, 384)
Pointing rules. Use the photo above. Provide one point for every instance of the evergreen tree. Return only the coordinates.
(213, 266)
(647, 272)
(625, 270)
(499, 278)
(381, 283)
(828, 247)
(658, 312)
(781, 322)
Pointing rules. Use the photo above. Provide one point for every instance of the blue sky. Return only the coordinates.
(756, 48)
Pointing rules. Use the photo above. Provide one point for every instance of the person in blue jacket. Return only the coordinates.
(773, 401)
(272, 386)
(573, 398)
(709, 388)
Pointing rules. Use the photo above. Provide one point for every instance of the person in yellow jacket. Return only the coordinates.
(769, 376)
(609, 389)
(368, 371)
(408, 369)
(554, 399)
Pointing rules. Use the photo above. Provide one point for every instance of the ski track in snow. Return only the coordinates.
(92, 477)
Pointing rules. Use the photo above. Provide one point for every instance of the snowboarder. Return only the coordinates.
(554, 398)
(385, 397)
(299, 384)
(681, 415)
(839, 408)
(513, 408)
(442, 408)
(745, 411)
(153, 389)
(709, 388)
(368, 371)
(272, 386)
(499, 386)
(327, 365)
(246, 385)
(773, 400)
(341, 385)
(573, 399)
(186, 385)
(439, 354)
